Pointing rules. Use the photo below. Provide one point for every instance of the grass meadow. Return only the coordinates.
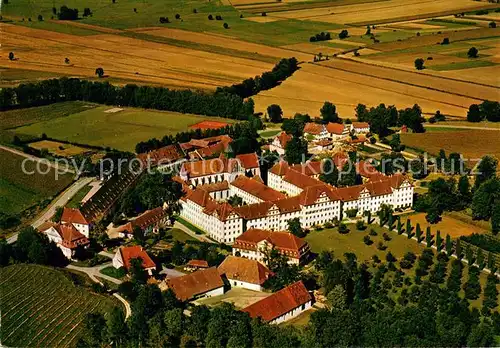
(121, 130)
(19, 191)
(41, 307)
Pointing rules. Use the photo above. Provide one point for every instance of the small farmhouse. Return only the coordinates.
(244, 273)
(125, 255)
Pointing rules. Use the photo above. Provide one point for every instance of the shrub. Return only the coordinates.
(446, 41)
(367, 240)
(210, 17)
(226, 26)
(177, 16)
(343, 34)
(373, 232)
(264, 14)
(386, 237)
(381, 246)
(360, 225)
(419, 63)
(343, 228)
(472, 53)
(492, 25)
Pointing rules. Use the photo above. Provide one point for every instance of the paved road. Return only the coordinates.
(380, 146)
(200, 237)
(94, 272)
(38, 159)
(60, 201)
(171, 273)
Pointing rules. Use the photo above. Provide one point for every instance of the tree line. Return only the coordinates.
(160, 98)
(244, 135)
(382, 117)
(269, 79)
(487, 110)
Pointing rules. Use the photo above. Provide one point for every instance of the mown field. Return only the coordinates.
(41, 307)
(120, 130)
(155, 62)
(471, 143)
(19, 191)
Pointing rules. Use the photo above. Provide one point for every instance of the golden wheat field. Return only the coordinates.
(346, 84)
(383, 11)
(124, 58)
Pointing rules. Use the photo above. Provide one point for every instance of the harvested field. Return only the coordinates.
(119, 57)
(448, 225)
(41, 307)
(231, 43)
(60, 149)
(314, 48)
(457, 88)
(384, 12)
(263, 19)
(312, 85)
(121, 130)
(408, 59)
(487, 75)
(430, 40)
(472, 143)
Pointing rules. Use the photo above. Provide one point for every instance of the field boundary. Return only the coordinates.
(404, 83)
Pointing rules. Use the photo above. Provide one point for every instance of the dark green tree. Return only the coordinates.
(275, 113)
(296, 150)
(329, 113)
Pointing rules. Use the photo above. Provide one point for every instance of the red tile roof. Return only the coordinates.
(284, 241)
(209, 167)
(280, 168)
(313, 128)
(134, 252)
(248, 160)
(367, 170)
(335, 128)
(300, 180)
(217, 186)
(71, 237)
(149, 217)
(245, 270)
(221, 210)
(196, 283)
(283, 139)
(74, 216)
(310, 168)
(359, 125)
(208, 125)
(198, 263)
(164, 155)
(259, 210)
(311, 194)
(206, 142)
(257, 189)
(280, 302)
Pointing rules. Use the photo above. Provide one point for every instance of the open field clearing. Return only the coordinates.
(125, 58)
(448, 225)
(383, 12)
(215, 40)
(486, 75)
(472, 144)
(42, 307)
(120, 130)
(415, 78)
(435, 39)
(240, 297)
(19, 191)
(352, 242)
(313, 84)
(59, 149)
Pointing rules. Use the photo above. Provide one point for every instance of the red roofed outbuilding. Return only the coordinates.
(283, 305)
(75, 217)
(244, 273)
(199, 284)
(125, 255)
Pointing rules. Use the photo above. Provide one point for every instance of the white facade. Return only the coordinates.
(247, 197)
(292, 314)
(54, 236)
(82, 228)
(241, 284)
(215, 292)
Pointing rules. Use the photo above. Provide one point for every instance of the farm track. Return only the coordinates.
(382, 76)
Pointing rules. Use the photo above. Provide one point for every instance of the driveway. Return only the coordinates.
(60, 201)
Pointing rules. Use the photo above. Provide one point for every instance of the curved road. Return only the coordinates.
(60, 201)
(94, 272)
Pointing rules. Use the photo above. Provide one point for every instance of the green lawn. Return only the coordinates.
(113, 272)
(190, 226)
(352, 242)
(120, 130)
(19, 191)
(462, 65)
(179, 235)
(76, 200)
(41, 307)
(270, 133)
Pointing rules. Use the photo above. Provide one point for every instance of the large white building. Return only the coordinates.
(292, 192)
(66, 237)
